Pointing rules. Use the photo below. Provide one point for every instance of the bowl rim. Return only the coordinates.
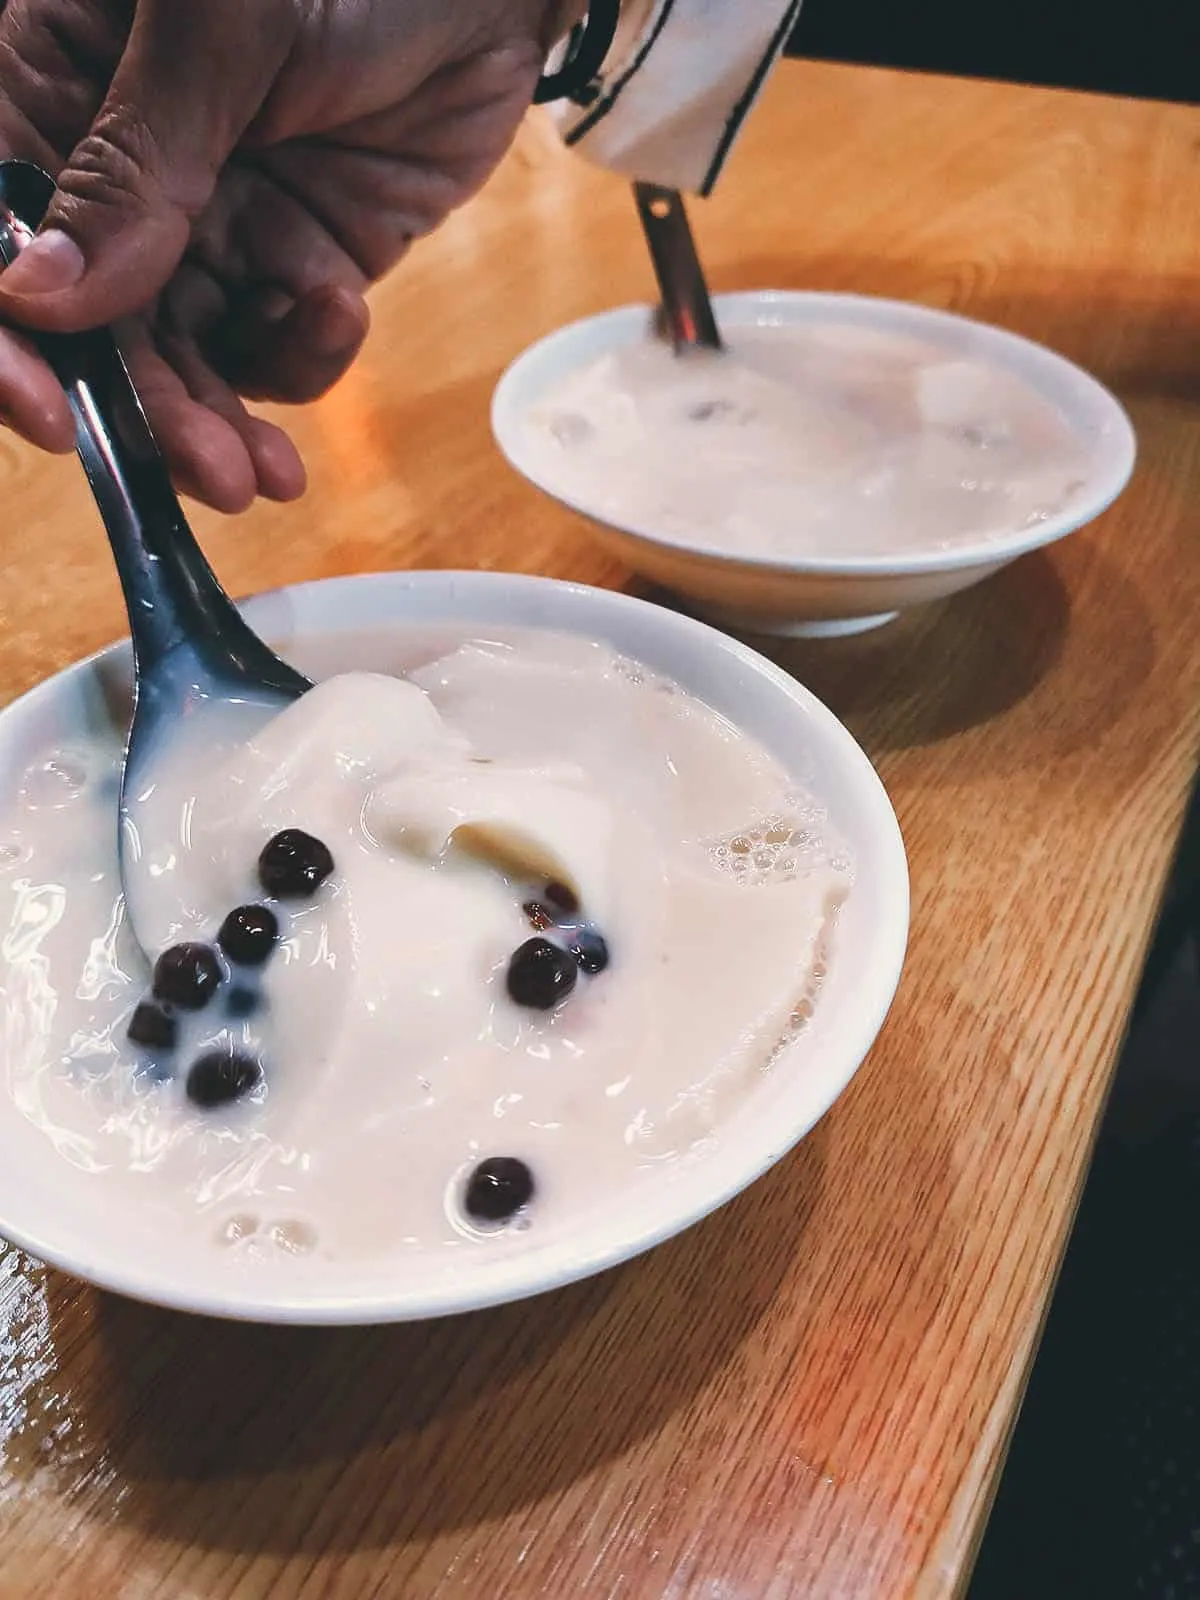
(523, 1274)
(990, 552)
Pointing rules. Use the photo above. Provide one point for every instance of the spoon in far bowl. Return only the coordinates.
(685, 314)
(190, 644)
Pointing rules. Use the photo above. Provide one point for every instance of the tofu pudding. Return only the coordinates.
(440, 961)
(806, 439)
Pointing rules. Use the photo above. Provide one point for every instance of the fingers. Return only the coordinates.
(189, 81)
(277, 463)
(273, 343)
(32, 402)
(278, 472)
(216, 451)
(258, 231)
(56, 59)
(184, 84)
(206, 456)
(298, 356)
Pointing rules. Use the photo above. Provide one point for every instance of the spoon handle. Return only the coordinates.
(171, 592)
(686, 307)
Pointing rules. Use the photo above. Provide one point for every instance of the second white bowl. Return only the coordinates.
(828, 593)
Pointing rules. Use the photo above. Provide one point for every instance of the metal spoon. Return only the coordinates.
(190, 643)
(686, 314)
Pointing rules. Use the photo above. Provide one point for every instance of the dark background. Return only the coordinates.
(1149, 48)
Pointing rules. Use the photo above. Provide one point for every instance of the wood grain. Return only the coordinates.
(810, 1393)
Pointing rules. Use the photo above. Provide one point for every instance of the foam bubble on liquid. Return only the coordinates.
(776, 850)
(631, 671)
(806, 1002)
(54, 783)
(291, 1236)
(237, 1228)
(13, 853)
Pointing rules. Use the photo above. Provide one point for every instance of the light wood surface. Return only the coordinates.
(810, 1394)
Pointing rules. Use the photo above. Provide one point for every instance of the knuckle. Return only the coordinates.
(110, 164)
(119, 162)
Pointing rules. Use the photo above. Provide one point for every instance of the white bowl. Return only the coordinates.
(826, 594)
(58, 1213)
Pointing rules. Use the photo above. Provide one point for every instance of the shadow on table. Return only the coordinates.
(289, 1440)
(942, 668)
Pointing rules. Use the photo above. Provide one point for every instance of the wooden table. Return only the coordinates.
(809, 1394)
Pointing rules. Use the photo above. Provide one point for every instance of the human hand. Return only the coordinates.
(232, 178)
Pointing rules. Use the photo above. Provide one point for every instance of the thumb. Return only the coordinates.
(192, 77)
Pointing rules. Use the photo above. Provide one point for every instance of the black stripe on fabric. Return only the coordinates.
(587, 51)
(742, 108)
(600, 111)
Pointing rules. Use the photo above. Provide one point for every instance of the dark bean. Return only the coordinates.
(241, 1002)
(294, 865)
(498, 1188)
(220, 1076)
(707, 409)
(540, 975)
(187, 975)
(590, 950)
(249, 934)
(562, 897)
(153, 1027)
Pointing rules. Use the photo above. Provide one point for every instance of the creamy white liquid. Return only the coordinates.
(394, 1058)
(807, 439)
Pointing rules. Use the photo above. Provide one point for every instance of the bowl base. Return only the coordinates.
(794, 628)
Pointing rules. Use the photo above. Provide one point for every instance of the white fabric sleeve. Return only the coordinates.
(676, 87)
